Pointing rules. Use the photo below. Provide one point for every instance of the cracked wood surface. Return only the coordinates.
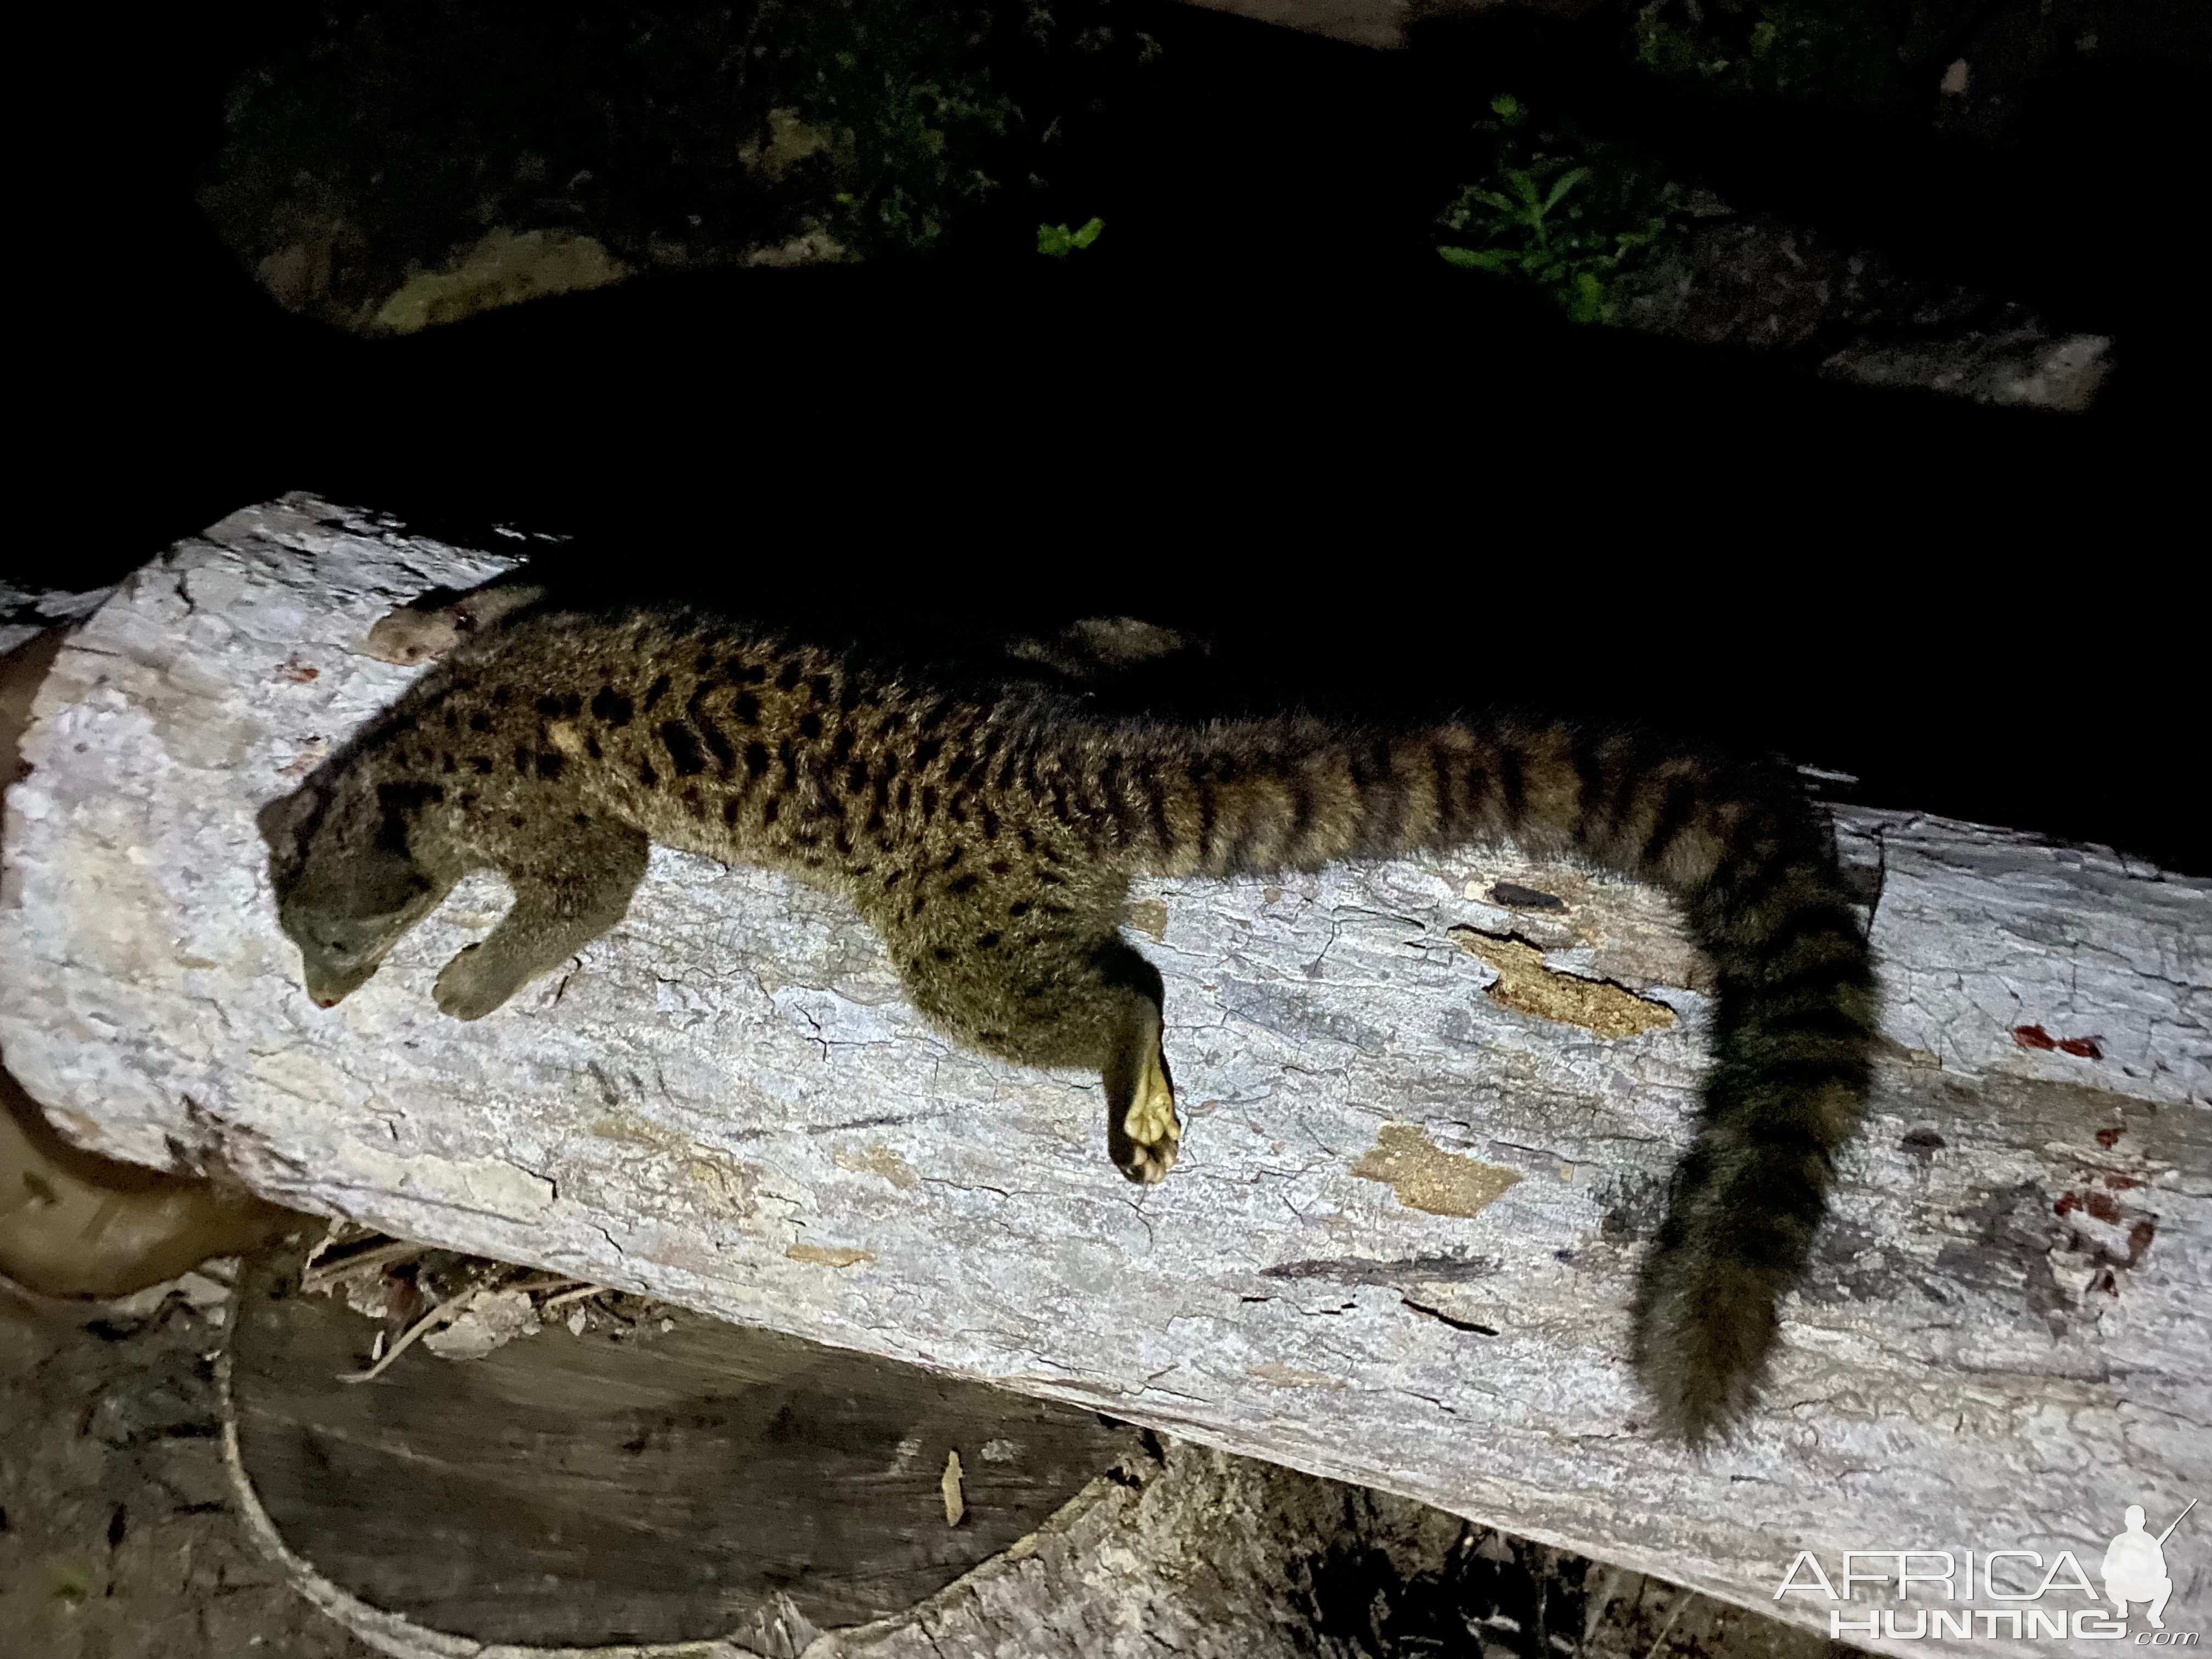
(1400, 1246)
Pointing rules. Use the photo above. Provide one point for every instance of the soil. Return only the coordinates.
(119, 1539)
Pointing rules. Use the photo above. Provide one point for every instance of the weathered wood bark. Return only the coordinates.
(1431, 1112)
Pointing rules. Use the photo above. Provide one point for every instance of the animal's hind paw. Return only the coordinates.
(1153, 1133)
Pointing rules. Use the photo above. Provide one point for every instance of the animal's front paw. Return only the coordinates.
(474, 983)
(407, 637)
(1151, 1134)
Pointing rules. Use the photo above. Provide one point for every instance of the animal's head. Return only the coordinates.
(346, 888)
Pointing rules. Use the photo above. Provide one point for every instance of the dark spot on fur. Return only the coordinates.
(770, 812)
(683, 751)
(645, 774)
(514, 820)
(611, 707)
(810, 725)
(549, 706)
(730, 810)
(522, 757)
(591, 748)
(551, 763)
(656, 691)
(479, 722)
(990, 824)
(756, 759)
(744, 708)
(961, 884)
(1019, 907)
(928, 802)
(856, 778)
(942, 954)
(788, 676)
(482, 764)
(986, 941)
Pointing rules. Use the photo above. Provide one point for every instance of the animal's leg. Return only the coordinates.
(441, 619)
(1050, 985)
(562, 902)
(1143, 1133)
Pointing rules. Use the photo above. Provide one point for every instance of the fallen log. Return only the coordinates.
(1431, 1106)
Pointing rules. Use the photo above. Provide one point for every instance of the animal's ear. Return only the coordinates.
(281, 820)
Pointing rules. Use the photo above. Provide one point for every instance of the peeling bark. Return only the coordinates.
(725, 1102)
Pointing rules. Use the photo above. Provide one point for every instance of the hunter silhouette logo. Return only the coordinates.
(2135, 1567)
(2012, 1584)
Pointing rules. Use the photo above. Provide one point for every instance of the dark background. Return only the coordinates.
(1260, 406)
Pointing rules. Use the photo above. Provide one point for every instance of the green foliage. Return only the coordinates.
(912, 111)
(1579, 219)
(1823, 50)
(1060, 242)
(375, 144)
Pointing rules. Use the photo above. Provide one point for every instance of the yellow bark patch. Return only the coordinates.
(1426, 1177)
(1525, 985)
(1289, 1376)
(877, 1159)
(1151, 917)
(830, 1255)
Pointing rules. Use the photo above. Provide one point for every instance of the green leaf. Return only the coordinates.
(1509, 109)
(1059, 241)
(1563, 187)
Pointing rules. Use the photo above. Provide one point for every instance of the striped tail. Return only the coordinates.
(1754, 867)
